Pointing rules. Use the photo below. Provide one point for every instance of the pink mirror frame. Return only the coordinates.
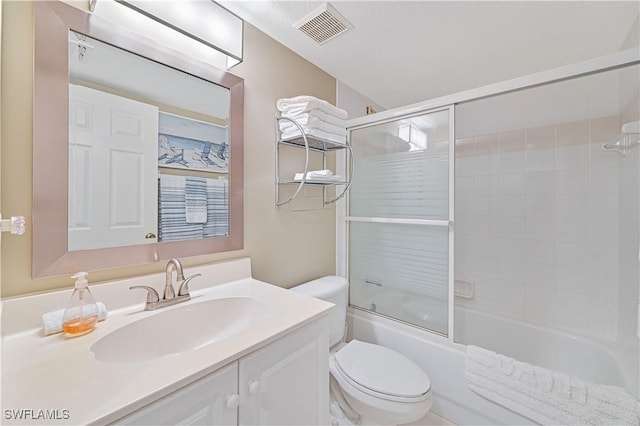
(50, 256)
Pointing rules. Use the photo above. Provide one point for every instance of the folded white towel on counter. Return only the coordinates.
(52, 321)
(547, 396)
(303, 118)
(312, 123)
(318, 175)
(315, 133)
(300, 104)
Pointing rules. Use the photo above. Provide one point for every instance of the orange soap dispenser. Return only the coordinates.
(81, 314)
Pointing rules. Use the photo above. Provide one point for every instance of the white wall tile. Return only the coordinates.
(511, 183)
(571, 254)
(485, 205)
(539, 160)
(541, 219)
(572, 157)
(486, 225)
(512, 162)
(542, 251)
(485, 185)
(512, 248)
(463, 186)
(485, 267)
(540, 228)
(511, 206)
(572, 181)
(537, 274)
(540, 182)
(541, 205)
(572, 229)
(511, 270)
(486, 288)
(464, 224)
(464, 166)
(486, 245)
(512, 292)
(512, 227)
(570, 205)
(486, 164)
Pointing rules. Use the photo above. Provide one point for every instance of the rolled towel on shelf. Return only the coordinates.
(52, 321)
(300, 104)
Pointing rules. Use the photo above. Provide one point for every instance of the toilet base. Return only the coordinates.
(349, 411)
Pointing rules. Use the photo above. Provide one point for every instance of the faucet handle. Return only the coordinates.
(152, 294)
(184, 287)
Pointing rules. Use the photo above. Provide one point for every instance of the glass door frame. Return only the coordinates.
(613, 61)
(348, 219)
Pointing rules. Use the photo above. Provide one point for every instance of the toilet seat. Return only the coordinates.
(381, 372)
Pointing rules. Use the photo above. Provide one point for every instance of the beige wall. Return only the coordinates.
(285, 247)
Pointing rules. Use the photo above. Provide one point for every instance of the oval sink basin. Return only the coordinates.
(179, 329)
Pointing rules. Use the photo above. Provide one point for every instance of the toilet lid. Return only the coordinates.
(382, 370)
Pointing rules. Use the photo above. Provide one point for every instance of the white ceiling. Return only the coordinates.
(402, 52)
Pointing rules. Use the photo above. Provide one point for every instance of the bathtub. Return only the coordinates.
(444, 361)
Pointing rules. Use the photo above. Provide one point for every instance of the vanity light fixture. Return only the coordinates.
(204, 21)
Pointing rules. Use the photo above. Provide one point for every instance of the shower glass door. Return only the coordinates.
(399, 219)
(548, 225)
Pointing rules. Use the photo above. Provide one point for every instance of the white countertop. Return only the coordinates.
(60, 373)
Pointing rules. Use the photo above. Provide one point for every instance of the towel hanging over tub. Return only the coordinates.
(545, 396)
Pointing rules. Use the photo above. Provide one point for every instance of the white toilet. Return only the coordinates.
(377, 384)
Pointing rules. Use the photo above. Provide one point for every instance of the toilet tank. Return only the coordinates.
(333, 289)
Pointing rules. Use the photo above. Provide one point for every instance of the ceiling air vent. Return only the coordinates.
(323, 24)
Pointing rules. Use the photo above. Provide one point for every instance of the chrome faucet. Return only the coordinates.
(172, 265)
(169, 295)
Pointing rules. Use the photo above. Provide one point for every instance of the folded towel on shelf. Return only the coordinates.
(300, 104)
(318, 175)
(547, 396)
(52, 321)
(315, 133)
(313, 123)
(304, 117)
(195, 199)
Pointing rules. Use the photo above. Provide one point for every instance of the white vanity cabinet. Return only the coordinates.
(287, 382)
(212, 400)
(283, 383)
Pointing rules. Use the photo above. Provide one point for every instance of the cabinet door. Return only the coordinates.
(211, 400)
(287, 382)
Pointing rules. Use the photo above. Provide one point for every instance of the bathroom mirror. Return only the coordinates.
(193, 133)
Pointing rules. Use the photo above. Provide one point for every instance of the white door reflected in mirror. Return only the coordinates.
(148, 150)
(113, 174)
